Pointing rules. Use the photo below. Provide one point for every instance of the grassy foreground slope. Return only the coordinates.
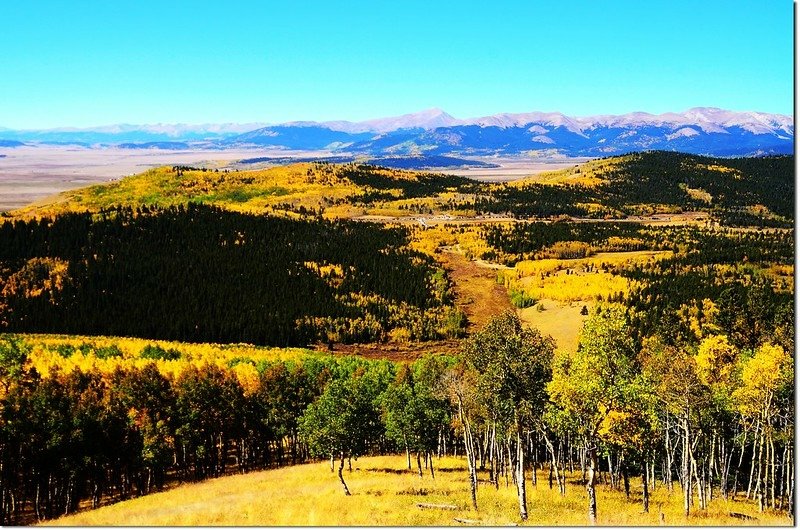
(385, 493)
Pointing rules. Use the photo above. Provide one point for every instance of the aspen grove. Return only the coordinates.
(715, 420)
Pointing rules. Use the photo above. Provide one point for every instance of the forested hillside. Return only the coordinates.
(340, 190)
(745, 277)
(712, 422)
(736, 191)
(202, 274)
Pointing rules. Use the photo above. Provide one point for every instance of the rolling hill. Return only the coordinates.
(736, 191)
(343, 190)
(161, 255)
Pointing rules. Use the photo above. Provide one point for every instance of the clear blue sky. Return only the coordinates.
(82, 63)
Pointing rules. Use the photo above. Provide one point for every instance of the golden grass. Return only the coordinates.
(561, 320)
(386, 494)
(561, 296)
(591, 173)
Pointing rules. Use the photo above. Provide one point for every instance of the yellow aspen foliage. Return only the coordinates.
(247, 375)
(763, 376)
(37, 276)
(65, 354)
(716, 359)
(700, 319)
(629, 428)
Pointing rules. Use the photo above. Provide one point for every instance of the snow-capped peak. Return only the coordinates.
(426, 119)
(684, 132)
(552, 119)
(708, 119)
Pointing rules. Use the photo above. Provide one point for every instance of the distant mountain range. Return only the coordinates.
(433, 132)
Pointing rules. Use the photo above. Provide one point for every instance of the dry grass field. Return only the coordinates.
(385, 493)
(561, 320)
(562, 287)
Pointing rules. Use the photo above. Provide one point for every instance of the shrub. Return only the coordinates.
(521, 299)
(107, 352)
(152, 351)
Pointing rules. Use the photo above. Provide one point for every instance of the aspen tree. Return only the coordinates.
(513, 365)
(594, 382)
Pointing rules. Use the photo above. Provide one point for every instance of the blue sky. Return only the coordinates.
(66, 63)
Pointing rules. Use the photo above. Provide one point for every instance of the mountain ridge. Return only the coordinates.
(698, 130)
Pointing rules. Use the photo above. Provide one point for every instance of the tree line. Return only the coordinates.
(532, 240)
(663, 177)
(692, 245)
(90, 435)
(728, 269)
(710, 418)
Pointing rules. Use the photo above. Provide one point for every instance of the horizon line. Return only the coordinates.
(67, 128)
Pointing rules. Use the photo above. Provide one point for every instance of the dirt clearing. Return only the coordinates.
(477, 292)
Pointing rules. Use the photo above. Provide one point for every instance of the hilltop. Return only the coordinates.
(411, 279)
(345, 190)
(734, 191)
(747, 190)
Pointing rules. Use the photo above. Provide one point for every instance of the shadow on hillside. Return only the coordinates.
(413, 471)
(390, 470)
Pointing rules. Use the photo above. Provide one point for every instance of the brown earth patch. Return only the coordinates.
(477, 294)
(476, 289)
